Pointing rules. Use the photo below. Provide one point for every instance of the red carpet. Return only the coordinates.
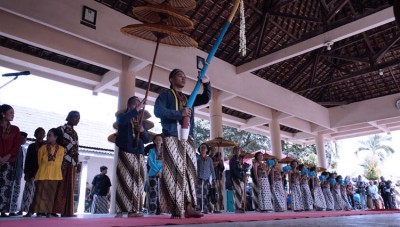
(165, 220)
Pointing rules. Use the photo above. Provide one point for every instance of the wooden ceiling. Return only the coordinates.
(347, 73)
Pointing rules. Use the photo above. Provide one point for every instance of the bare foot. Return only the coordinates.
(190, 213)
(175, 216)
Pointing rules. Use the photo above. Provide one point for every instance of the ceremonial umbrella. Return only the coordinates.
(220, 142)
(163, 22)
(161, 14)
(267, 156)
(177, 4)
(286, 160)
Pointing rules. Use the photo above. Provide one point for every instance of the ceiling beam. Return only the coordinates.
(383, 51)
(355, 74)
(364, 111)
(224, 96)
(260, 38)
(295, 17)
(384, 128)
(345, 57)
(253, 122)
(283, 30)
(32, 62)
(336, 10)
(108, 80)
(353, 28)
(65, 44)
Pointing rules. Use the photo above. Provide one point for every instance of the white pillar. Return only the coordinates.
(82, 189)
(275, 133)
(215, 115)
(216, 129)
(319, 142)
(126, 89)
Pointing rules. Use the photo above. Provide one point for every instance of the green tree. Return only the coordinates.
(371, 168)
(305, 154)
(308, 153)
(249, 141)
(375, 146)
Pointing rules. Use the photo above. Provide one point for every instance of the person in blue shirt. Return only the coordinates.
(131, 167)
(155, 163)
(178, 179)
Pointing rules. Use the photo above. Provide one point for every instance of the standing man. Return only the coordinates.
(219, 185)
(361, 187)
(64, 200)
(205, 170)
(236, 168)
(131, 166)
(100, 188)
(178, 190)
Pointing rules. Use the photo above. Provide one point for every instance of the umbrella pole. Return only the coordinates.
(148, 88)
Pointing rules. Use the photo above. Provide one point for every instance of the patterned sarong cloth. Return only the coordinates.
(319, 199)
(220, 190)
(278, 196)
(177, 186)
(28, 194)
(131, 175)
(202, 195)
(297, 197)
(264, 195)
(99, 204)
(64, 202)
(256, 192)
(6, 179)
(238, 188)
(153, 195)
(16, 189)
(307, 197)
(330, 202)
(45, 194)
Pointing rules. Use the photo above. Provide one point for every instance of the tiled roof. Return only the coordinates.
(91, 133)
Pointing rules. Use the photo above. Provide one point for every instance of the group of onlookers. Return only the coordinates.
(49, 167)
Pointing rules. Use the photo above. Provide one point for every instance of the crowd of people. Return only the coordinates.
(48, 167)
(180, 182)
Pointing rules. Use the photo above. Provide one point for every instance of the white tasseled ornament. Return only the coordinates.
(242, 33)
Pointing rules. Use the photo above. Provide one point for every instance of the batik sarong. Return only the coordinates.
(178, 186)
(131, 175)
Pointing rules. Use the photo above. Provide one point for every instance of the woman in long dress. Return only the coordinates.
(319, 198)
(305, 189)
(261, 172)
(337, 195)
(278, 194)
(294, 188)
(343, 191)
(326, 190)
(50, 157)
(9, 148)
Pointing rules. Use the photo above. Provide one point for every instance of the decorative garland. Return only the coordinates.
(242, 33)
(51, 157)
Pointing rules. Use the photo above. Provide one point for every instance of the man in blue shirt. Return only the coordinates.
(178, 180)
(205, 170)
(131, 166)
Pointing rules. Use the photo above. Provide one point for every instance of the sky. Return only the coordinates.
(43, 94)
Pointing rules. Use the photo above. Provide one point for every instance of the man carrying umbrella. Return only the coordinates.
(178, 187)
